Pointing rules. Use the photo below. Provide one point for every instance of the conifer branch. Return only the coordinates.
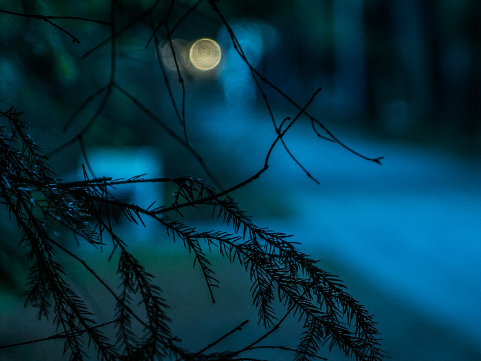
(86, 208)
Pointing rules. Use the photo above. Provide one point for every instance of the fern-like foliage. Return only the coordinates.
(25, 176)
(278, 271)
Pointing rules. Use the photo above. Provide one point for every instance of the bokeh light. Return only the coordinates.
(205, 54)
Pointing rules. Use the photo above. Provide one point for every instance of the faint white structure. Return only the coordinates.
(125, 163)
(181, 54)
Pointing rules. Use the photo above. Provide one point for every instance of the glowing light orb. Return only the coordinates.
(205, 54)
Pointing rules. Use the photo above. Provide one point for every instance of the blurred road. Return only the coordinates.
(412, 226)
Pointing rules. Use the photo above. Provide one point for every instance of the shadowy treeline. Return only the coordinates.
(402, 67)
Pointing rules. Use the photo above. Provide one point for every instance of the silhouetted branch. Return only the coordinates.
(238, 328)
(181, 81)
(137, 19)
(86, 208)
(48, 18)
(43, 17)
(57, 336)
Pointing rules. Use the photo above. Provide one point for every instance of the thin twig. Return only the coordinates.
(140, 17)
(250, 179)
(238, 328)
(61, 335)
(181, 81)
(43, 17)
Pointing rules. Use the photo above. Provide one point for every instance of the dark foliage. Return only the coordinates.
(278, 271)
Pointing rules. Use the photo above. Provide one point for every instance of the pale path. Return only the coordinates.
(412, 225)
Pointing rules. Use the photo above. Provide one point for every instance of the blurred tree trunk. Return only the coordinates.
(349, 48)
(412, 56)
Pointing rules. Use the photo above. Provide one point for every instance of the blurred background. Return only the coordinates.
(399, 80)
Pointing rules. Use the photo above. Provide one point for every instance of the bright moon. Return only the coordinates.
(205, 54)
